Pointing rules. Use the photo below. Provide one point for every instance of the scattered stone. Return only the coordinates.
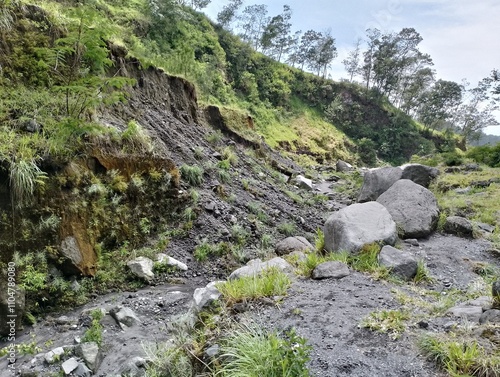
(298, 255)
(412, 242)
(490, 316)
(485, 227)
(472, 167)
(205, 296)
(358, 225)
(54, 355)
(304, 182)
(495, 293)
(82, 371)
(484, 302)
(256, 266)
(472, 313)
(210, 207)
(69, 365)
(332, 269)
(212, 352)
(90, 354)
(169, 261)
(343, 166)
(124, 316)
(423, 325)
(420, 174)
(413, 208)
(135, 367)
(452, 169)
(458, 226)
(377, 181)
(463, 191)
(291, 244)
(142, 267)
(400, 262)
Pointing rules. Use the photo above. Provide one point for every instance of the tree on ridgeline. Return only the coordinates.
(277, 39)
(253, 21)
(228, 13)
(352, 63)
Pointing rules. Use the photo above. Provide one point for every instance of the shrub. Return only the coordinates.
(192, 174)
(288, 229)
(94, 332)
(249, 351)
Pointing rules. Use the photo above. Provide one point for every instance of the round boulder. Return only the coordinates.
(413, 208)
(358, 225)
(420, 174)
(330, 270)
(377, 181)
(291, 244)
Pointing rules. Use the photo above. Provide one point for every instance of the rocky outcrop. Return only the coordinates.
(377, 181)
(401, 263)
(358, 225)
(413, 208)
(293, 244)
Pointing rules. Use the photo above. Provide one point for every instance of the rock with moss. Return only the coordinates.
(292, 244)
(413, 208)
(358, 225)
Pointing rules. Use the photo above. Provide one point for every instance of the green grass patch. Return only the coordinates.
(391, 322)
(271, 282)
(192, 174)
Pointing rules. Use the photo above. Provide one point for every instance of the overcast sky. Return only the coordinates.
(461, 36)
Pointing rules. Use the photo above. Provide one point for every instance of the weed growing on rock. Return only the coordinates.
(214, 137)
(94, 332)
(266, 241)
(203, 250)
(224, 176)
(192, 174)
(295, 197)
(386, 321)
(239, 234)
(272, 282)
(251, 351)
(319, 240)
(189, 214)
(229, 155)
(423, 275)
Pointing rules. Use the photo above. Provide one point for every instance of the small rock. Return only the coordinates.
(495, 293)
(332, 269)
(135, 367)
(485, 227)
(412, 242)
(256, 266)
(470, 312)
(142, 267)
(210, 207)
(304, 182)
(291, 244)
(69, 365)
(205, 296)
(342, 166)
(463, 191)
(458, 226)
(90, 354)
(401, 263)
(82, 371)
(124, 316)
(490, 316)
(212, 351)
(54, 355)
(472, 167)
(169, 261)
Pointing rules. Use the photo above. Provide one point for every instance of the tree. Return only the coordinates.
(322, 54)
(308, 42)
(228, 13)
(253, 21)
(439, 104)
(276, 37)
(476, 113)
(368, 56)
(352, 63)
(294, 49)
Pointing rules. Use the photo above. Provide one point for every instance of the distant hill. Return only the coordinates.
(486, 139)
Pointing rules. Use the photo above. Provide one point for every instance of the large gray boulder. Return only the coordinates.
(304, 182)
(420, 174)
(90, 354)
(413, 208)
(358, 225)
(377, 181)
(292, 244)
(401, 263)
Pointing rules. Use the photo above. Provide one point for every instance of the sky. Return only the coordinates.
(461, 36)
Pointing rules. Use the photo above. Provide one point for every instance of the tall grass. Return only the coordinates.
(24, 177)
